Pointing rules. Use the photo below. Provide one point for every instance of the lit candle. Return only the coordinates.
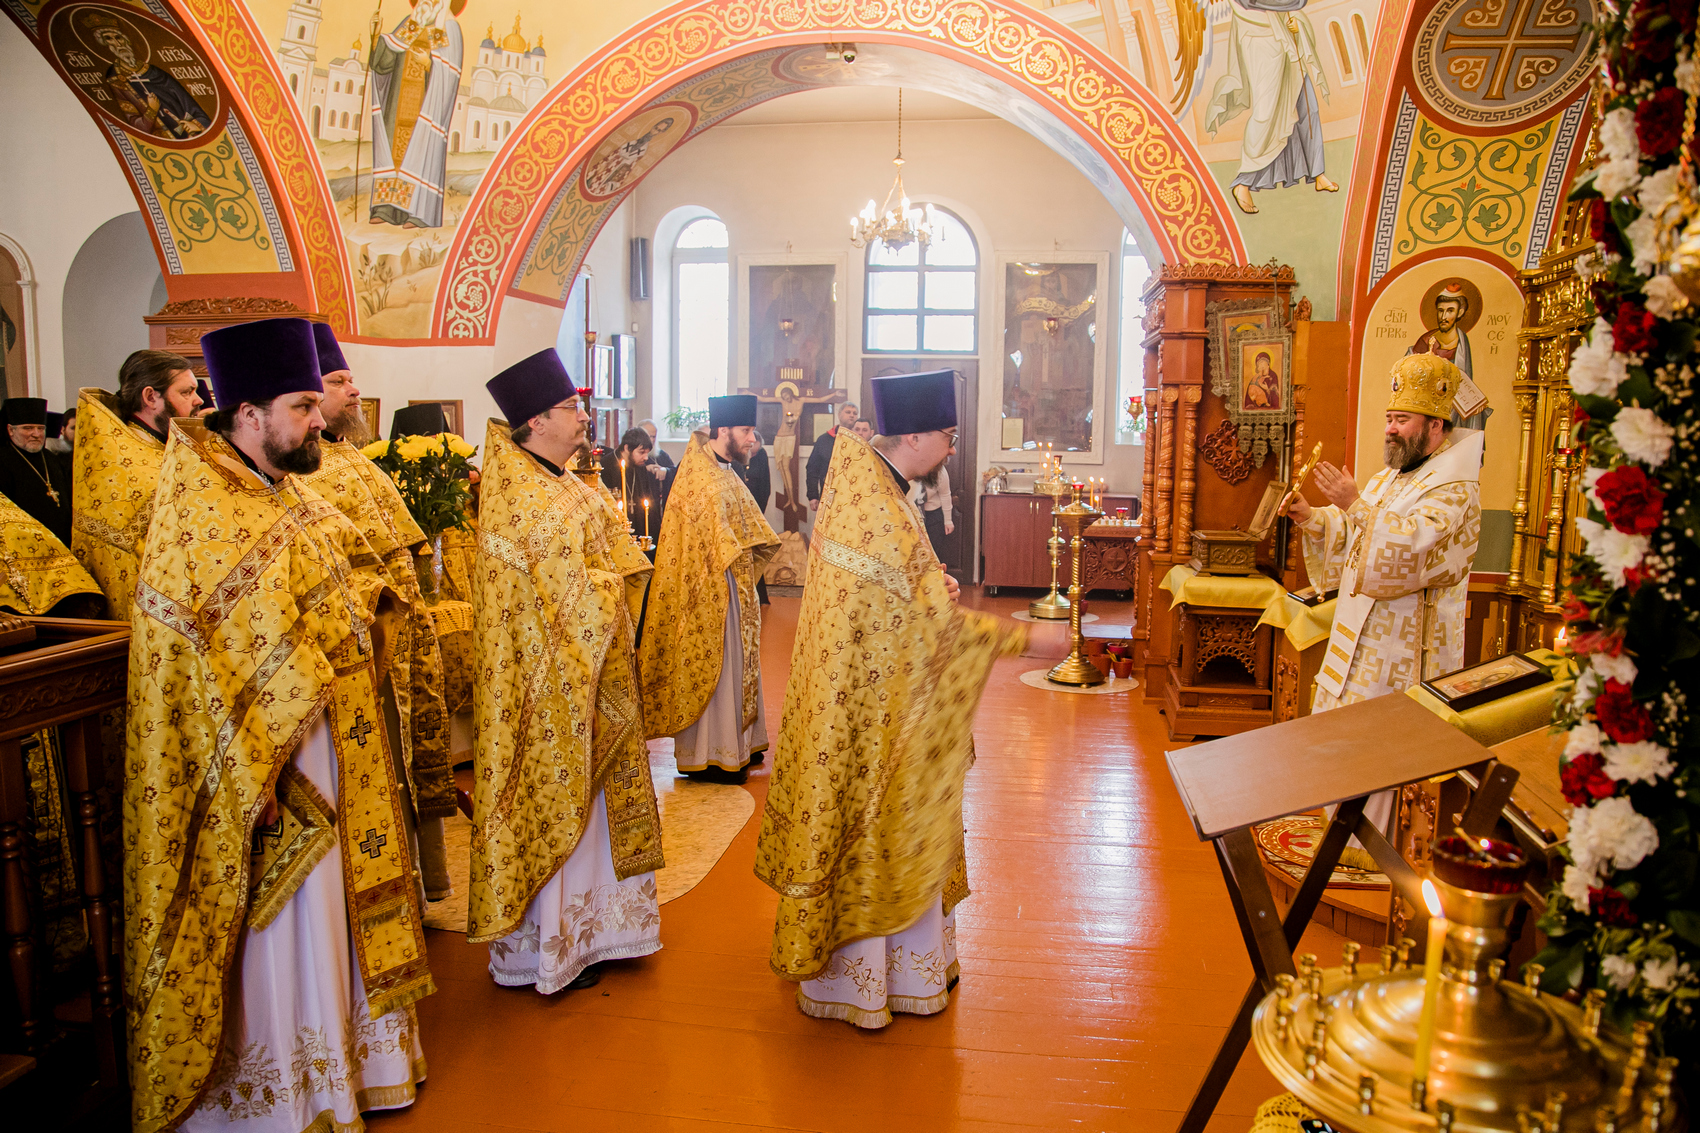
(623, 506)
(646, 518)
(1559, 638)
(1431, 981)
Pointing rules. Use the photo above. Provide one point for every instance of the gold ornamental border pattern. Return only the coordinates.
(280, 132)
(1028, 50)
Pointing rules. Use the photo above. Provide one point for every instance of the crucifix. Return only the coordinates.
(794, 396)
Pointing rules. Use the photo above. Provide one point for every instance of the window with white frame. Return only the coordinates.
(1130, 383)
(702, 294)
(924, 300)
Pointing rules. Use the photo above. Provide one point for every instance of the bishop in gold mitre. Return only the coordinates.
(414, 683)
(566, 834)
(273, 941)
(115, 466)
(39, 576)
(1398, 552)
(862, 834)
(700, 662)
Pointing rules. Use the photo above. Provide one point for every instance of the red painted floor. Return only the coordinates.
(1100, 967)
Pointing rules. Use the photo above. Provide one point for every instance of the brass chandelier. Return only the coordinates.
(896, 224)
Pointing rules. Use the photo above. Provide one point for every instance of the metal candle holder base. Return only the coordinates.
(1075, 669)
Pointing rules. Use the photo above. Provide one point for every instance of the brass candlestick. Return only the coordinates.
(1075, 669)
(1053, 606)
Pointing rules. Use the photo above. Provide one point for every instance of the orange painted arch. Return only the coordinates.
(1126, 124)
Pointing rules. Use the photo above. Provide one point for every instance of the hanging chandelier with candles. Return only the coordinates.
(896, 224)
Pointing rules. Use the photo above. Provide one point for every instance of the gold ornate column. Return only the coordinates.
(1166, 456)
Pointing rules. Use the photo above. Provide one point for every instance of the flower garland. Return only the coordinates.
(1626, 915)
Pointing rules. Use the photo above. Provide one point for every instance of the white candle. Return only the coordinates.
(1431, 981)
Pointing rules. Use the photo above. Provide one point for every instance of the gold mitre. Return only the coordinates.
(1424, 383)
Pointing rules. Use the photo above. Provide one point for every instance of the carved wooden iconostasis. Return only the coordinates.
(1197, 475)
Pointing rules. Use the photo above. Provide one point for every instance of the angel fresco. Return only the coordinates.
(1274, 72)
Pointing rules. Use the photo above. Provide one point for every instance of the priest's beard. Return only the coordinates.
(161, 422)
(930, 479)
(301, 460)
(1403, 454)
(350, 425)
(31, 445)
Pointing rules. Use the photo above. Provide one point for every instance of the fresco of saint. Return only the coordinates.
(148, 98)
(415, 77)
(1450, 340)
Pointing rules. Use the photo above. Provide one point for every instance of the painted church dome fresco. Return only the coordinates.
(1490, 63)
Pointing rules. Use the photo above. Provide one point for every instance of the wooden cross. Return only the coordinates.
(373, 844)
(1508, 41)
(794, 398)
(360, 729)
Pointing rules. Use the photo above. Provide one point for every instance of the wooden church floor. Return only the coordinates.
(1100, 960)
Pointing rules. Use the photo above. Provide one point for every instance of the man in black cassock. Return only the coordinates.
(37, 480)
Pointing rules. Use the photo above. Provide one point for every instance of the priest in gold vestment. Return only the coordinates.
(115, 467)
(273, 941)
(700, 661)
(862, 834)
(1399, 552)
(414, 686)
(38, 572)
(566, 832)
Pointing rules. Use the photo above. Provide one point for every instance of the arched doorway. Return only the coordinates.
(1022, 67)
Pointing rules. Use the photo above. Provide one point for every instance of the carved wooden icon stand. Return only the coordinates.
(1343, 756)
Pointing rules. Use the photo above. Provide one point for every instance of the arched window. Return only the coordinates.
(345, 119)
(292, 78)
(1363, 40)
(924, 300)
(702, 312)
(477, 128)
(315, 121)
(301, 32)
(1131, 369)
(1342, 53)
(454, 142)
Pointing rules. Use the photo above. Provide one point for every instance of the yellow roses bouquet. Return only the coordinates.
(432, 475)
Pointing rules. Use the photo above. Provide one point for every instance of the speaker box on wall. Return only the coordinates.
(640, 267)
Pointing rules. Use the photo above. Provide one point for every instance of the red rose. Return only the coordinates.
(1584, 781)
(1632, 502)
(1609, 641)
(1632, 330)
(1602, 291)
(1575, 610)
(1658, 121)
(1634, 576)
(1611, 908)
(1620, 717)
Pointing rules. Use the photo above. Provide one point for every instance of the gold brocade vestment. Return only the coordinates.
(1400, 557)
(252, 619)
(368, 497)
(115, 470)
(37, 571)
(712, 525)
(555, 708)
(863, 823)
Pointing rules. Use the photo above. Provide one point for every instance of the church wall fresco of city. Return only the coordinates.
(404, 167)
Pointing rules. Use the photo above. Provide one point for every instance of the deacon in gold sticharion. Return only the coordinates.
(121, 445)
(566, 834)
(274, 946)
(414, 709)
(1399, 552)
(862, 835)
(701, 657)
